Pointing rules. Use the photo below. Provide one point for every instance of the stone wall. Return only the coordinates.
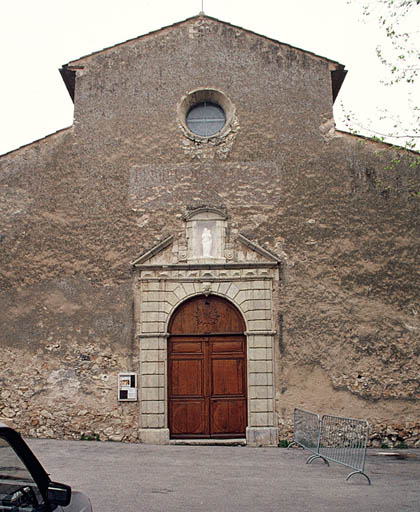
(77, 207)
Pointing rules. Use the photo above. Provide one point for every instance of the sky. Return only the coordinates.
(38, 36)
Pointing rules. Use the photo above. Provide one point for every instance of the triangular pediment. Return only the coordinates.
(170, 252)
(68, 71)
(191, 20)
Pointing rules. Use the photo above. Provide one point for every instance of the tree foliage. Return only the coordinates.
(400, 56)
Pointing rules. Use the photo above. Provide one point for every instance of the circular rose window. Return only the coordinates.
(206, 119)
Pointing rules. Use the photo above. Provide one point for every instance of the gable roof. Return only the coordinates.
(68, 71)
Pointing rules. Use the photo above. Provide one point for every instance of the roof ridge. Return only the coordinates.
(37, 140)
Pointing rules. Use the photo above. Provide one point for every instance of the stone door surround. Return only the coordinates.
(160, 288)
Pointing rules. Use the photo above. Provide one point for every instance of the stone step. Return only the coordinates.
(209, 442)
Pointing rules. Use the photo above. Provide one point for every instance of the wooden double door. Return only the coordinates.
(207, 370)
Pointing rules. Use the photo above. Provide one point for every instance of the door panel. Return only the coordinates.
(187, 377)
(188, 416)
(228, 417)
(227, 377)
(186, 347)
(207, 315)
(227, 345)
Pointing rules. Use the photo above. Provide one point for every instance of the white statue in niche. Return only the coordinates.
(206, 241)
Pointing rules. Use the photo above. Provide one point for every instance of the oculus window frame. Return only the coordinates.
(206, 114)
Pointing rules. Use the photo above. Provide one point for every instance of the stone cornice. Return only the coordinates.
(258, 249)
(153, 251)
(206, 266)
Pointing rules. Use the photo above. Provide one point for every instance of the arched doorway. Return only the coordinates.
(207, 370)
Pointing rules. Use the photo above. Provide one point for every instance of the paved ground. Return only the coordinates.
(134, 478)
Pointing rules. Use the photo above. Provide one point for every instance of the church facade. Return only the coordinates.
(202, 251)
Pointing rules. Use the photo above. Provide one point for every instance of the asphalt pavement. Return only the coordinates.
(120, 477)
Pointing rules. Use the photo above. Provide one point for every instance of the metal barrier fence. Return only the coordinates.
(305, 430)
(338, 439)
(343, 440)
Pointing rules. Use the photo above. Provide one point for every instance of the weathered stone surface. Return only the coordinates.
(76, 208)
(262, 436)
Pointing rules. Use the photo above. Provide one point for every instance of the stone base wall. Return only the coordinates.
(63, 396)
(381, 436)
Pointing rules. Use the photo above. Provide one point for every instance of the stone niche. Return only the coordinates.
(206, 236)
(239, 271)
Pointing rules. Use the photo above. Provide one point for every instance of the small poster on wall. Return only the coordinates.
(127, 387)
